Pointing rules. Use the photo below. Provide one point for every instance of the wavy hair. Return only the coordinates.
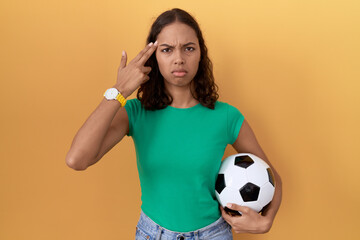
(152, 93)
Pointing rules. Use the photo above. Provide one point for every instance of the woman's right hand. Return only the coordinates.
(131, 76)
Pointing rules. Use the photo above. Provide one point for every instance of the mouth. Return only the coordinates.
(179, 73)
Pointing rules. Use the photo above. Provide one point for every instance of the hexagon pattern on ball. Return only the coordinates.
(225, 165)
(257, 174)
(250, 192)
(235, 177)
(246, 180)
(266, 193)
(220, 183)
(243, 161)
(271, 176)
(230, 193)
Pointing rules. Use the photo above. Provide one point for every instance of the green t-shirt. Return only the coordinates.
(178, 153)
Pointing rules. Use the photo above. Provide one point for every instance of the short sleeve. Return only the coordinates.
(132, 108)
(234, 121)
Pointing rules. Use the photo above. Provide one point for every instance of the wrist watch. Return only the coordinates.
(114, 94)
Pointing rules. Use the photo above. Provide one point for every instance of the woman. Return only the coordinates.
(180, 132)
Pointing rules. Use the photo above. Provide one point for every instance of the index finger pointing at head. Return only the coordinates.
(142, 52)
(148, 54)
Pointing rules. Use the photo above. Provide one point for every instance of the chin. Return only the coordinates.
(178, 82)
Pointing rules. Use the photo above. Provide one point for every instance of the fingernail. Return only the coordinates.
(156, 43)
(229, 205)
(150, 44)
(123, 53)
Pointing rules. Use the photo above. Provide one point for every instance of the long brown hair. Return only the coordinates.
(152, 93)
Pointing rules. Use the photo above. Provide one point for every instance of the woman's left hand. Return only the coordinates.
(249, 222)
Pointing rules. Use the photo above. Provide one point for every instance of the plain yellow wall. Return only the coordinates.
(291, 67)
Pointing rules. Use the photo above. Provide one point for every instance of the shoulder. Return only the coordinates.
(226, 107)
(221, 105)
(133, 108)
(132, 105)
(133, 102)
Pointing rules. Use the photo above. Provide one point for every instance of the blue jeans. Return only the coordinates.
(147, 229)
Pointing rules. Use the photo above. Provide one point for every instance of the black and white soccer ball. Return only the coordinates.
(246, 180)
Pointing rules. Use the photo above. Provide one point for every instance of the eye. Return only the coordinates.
(190, 49)
(165, 50)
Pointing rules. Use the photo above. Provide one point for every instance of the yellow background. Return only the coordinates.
(291, 67)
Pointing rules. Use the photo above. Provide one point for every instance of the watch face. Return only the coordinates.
(111, 93)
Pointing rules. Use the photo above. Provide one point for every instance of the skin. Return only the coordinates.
(174, 53)
(178, 49)
(108, 123)
(251, 221)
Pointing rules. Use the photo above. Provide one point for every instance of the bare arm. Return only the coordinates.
(251, 222)
(103, 129)
(109, 123)
(247, 142)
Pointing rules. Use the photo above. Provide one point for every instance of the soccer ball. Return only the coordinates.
(246, 180)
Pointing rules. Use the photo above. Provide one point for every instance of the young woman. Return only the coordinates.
(180, 132)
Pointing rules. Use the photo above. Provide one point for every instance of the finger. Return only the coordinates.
(222, 210)
(146, 70)
(123, 60)
(148, 54)
(146, 78)
(223, 213)
(239, 208)
(142, 52)
(226, 216)
(231, 210)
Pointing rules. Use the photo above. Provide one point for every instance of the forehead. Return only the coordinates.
(175, 33)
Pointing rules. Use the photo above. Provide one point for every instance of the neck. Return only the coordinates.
(182, 97)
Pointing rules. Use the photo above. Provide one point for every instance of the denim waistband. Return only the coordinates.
(150, 226)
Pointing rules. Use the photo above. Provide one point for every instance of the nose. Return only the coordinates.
(179, 59)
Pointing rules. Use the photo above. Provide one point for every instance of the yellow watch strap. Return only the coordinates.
(121, 99)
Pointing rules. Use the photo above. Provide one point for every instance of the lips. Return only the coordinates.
(179, 72)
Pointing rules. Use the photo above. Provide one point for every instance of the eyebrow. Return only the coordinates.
(167, 45)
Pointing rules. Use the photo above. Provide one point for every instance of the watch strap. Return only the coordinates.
(121, 99)
(118, 97)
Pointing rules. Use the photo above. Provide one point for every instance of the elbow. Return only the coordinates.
(75, 164)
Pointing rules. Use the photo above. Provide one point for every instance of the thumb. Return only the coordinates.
(239, 208)
(123, 60)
